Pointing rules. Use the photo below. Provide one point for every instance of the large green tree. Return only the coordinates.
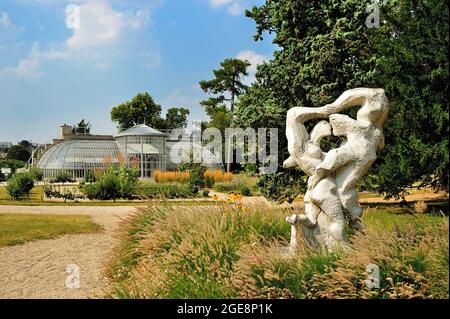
(176, 118)
(226, 86)
(325, 47)
(19, 153)
(143, 109)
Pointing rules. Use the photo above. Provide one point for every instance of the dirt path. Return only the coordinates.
(37, 269)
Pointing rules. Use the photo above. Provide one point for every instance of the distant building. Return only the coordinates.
(141, 146)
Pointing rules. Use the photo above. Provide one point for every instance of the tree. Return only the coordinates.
(19, 185)
(18, 152)
(82, 127)
(228, 80)
(325, 48)
(26, 144)
(142, 109)
(176, 118)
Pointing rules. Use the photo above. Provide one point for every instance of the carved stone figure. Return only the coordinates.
(332, 200)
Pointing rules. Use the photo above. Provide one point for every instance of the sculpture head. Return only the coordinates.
(375, 109)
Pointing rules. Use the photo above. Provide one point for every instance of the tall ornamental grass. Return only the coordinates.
(226, 252)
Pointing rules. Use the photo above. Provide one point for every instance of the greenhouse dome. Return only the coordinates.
(76, 157)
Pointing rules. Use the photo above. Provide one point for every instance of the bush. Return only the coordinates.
(233, 187)
(37, 174)
(90, 177)
(67, 194)
(119, 181)
(19, 185)
(154, 191)
(214, 176)
(62, 177)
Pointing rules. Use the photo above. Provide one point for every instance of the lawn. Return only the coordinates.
(20, 228)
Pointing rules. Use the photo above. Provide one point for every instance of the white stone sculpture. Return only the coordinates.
(332, 200)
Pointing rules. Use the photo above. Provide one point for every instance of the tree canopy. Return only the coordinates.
(18, 152)
(142, 109)
(325, 48)
(226, 86)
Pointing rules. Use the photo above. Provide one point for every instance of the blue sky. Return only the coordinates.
(51, 74)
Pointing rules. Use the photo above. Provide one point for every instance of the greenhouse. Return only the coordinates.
(75, 154)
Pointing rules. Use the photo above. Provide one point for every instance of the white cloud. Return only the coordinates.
(5, 22)
(254, 59)
(219, 3)
(26, 68)
(102, 34)
(234, 7)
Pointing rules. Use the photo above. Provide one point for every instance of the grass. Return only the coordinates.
(20, 228)
(223, 252)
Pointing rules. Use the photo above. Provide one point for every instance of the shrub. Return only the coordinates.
(19, 185)
(37, 174)
(233, 187)
(90, 177)
(154, 191)
(171, 177)
(215, 176)
(62, 177)
(118, 181)
(66, 194)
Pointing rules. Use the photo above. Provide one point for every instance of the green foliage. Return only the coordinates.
(233, 187)
(37, 174)
(66, 194)
(90, 177)
(226, 86)
(196, 175)
(157, 191)
(20, 185)
(118, 181)
(176, 118)
(325, 48)
(143, 109)
(13, 164)
(19, 153)
(62, 177)
(273, 186)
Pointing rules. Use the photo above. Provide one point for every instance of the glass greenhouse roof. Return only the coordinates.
(140, 130)
(79, 154)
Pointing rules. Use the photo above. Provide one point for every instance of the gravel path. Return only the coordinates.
(38, 269)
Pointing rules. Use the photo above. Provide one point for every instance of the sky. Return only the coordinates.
(54, 70)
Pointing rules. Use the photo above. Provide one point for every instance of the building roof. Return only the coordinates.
(140, 130)
(80, 154)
